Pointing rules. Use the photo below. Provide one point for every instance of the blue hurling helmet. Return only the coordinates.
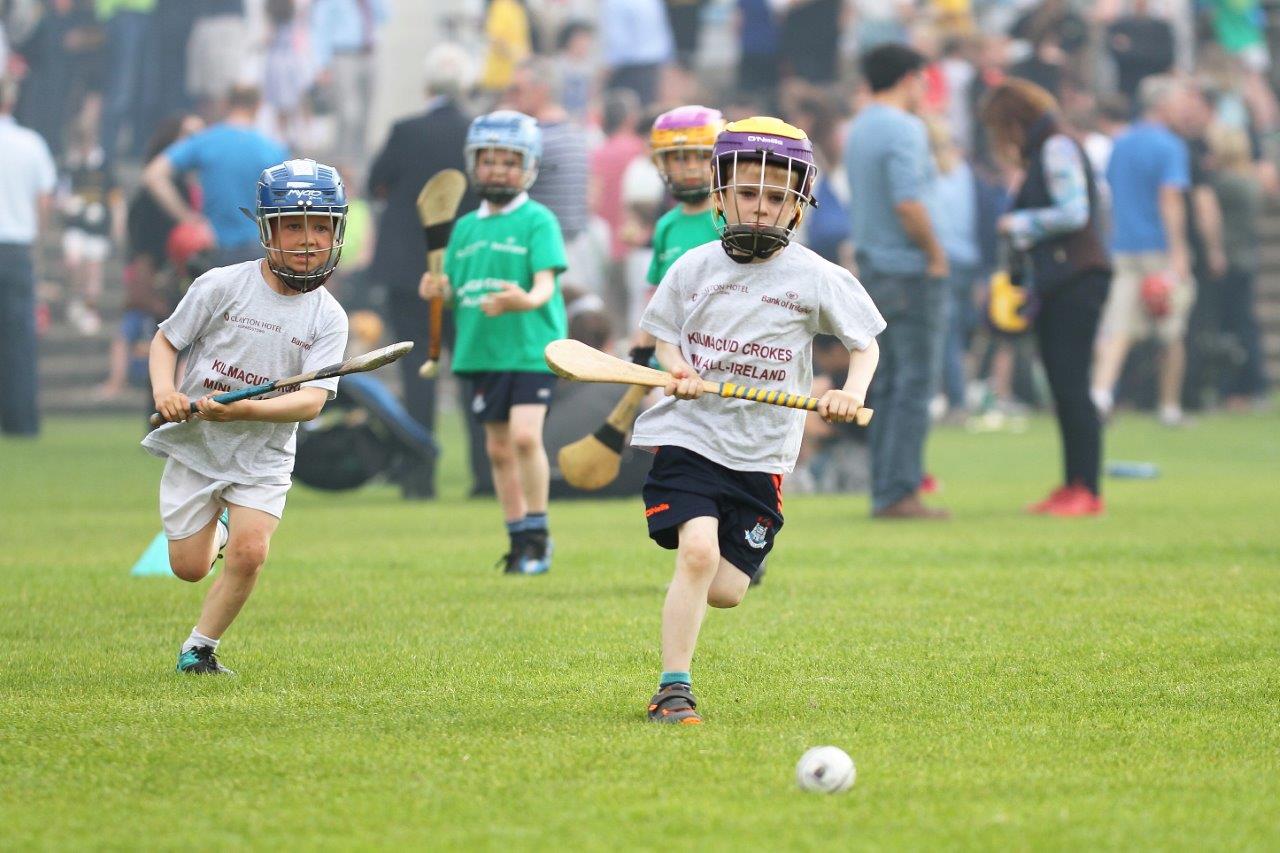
(511, 131)
(309, 189)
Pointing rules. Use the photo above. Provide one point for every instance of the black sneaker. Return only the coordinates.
(512, 562)
(201, 660)
(537, 555)
(674, 704)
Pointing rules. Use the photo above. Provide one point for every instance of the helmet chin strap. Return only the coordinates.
(498, 194)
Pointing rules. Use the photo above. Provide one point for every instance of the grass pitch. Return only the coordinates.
(1000, 680)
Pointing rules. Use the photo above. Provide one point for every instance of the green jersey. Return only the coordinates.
(484, 253)
(676, 233)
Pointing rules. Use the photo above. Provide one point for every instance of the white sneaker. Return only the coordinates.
(1172, 416)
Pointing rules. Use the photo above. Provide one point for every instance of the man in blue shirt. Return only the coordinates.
(1152, 290)
(227, 158)
(902, 265)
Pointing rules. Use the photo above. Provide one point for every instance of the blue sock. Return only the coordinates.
(515, 527)
(675, 678)
(535, 521)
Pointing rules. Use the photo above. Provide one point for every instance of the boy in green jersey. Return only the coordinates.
(680, 144)
(501, 275)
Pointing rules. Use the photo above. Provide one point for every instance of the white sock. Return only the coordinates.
(1102, 399)
(198, 639)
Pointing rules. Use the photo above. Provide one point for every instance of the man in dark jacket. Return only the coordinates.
(417, 148)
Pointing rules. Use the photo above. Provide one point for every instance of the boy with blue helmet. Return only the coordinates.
(501, 276)
(228, 466)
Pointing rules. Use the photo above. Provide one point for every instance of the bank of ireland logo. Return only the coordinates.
(757, 537)
(792, 295)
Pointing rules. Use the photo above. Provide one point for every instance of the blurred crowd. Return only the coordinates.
(155, 111)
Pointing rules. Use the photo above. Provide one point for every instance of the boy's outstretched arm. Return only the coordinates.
(515, 298)
(294, 407)
(841, 405)
(687, 384)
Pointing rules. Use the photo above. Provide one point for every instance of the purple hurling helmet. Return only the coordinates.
(759, 164)
(690, 129)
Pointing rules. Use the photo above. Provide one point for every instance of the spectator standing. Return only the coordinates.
(622, 144)
(1141, 45)
(289, 72)
(26, 186)
(127, 23)
(564, 174)
(637, 44)
(575, 53)
(216, 53)
(417, 148)
(810, 40)
(1149, 174)
(506, 26)
(1240, 199)
(344, 36)
(228, 157)
(758, 63)
(92, 208)
(903, 266)
(1054, 223)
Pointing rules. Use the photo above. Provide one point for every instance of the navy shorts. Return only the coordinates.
(684, 485)
(494, 393)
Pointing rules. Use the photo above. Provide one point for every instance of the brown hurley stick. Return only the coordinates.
(593, 461)
(575, 360)
(438, 210)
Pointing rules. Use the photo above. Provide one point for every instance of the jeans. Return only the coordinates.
(127, 67)
(960, 323)
(1246, 376)
(914, 307)
(1065, 328)
(18, 412)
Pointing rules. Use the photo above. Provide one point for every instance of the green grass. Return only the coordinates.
(1000, 680)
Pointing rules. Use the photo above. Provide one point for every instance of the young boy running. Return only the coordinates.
(229, 466)
(745, 310)
(680, 144)
(501, 274)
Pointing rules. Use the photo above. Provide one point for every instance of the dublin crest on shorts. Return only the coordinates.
(757, 537)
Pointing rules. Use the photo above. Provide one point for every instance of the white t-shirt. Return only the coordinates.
(242, 333)
(753, 325)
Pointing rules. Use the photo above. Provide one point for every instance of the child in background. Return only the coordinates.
(743, 310)
(92, 210)
(680, 145)
(501, 274)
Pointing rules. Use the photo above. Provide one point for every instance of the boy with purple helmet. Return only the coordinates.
(680, 145)
(743, 309)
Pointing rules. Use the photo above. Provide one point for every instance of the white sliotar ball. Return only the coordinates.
(825, 770)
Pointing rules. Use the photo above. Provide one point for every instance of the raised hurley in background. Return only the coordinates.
(359, 364)
(593, 461)
(581, 363)
(438, 209)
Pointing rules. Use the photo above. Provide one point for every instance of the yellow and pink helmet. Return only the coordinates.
(768, 142)
(689, 128)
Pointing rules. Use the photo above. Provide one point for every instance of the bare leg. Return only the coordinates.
(506, 472)
(1108, 360)
(246, 551)
(697, 560)
(191, 558)
(1172, 367)
(525, 427)
(728, 586)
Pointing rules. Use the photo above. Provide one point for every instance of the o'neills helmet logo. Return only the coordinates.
(768, 140)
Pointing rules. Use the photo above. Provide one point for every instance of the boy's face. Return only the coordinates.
(687, 168)
(301, 242)
(500, 167)
(746, 202)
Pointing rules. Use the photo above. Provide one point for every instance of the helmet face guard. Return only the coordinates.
(764, 174)
(689, 130)
(503, 130)
(314, 192)
(494, 193)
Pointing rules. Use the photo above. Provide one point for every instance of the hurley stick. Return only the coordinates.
(593, 461)
(438, 210)
(575, 360)
(359, 364)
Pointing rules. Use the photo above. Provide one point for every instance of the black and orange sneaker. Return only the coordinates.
(674, 704)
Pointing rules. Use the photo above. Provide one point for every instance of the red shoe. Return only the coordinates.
(1078, 503)
(1056, 497)
(929, 485)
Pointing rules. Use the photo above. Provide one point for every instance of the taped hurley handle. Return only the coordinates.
(775, 398)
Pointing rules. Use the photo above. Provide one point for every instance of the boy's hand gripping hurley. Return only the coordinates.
(579, 362)
(359, 364)
(438, 210)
